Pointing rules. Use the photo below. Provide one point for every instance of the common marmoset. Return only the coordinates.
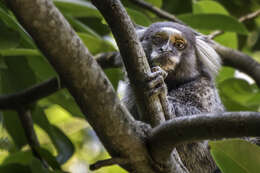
(183, 62)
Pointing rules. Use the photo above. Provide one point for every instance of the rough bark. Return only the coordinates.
(133, 57)
(84, 79)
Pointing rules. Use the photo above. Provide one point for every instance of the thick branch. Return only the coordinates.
(157, 11)
(85, 80)
(29, 95)
(133, 57)
(165, 137)
(240, 61)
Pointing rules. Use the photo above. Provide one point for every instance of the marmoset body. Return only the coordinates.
(190, 65)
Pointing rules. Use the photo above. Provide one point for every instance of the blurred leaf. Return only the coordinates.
(236, 156)
(61, 142)
(177, 7)
(114, 75)
(210, 7)
(41, 67)
(156, 3)
(213, 22)
(65, 100)
(20, 52)
(12, 23)
(96, 45)
(77, 8)
(37, 167)
(49, 158)
(225, 73)
(14, 168)
(138, 17)
(21, 157)
(228, 39)
(81, 27)
(237, 93)
(8, 38)
(18, 68)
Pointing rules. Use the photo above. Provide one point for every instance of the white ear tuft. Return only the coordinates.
(208, 56)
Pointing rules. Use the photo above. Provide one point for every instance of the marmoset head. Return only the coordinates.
(178, 50)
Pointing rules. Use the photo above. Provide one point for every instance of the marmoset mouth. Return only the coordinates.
(167, 63)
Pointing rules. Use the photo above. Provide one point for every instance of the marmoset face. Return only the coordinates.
(167, 46)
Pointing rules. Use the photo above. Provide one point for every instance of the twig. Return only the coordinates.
(29, 95)
(165, 137)
(157, 11)
(27, 123)
(108, 162)
(249, 16)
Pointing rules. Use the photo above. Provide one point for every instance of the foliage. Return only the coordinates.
(66, 141)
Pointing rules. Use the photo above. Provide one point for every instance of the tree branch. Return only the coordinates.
(108, 162)
(167, 136)
(133, 56)
(27, 123)
(240, 61)
(29, 95)
(85, 80)
(157, 11)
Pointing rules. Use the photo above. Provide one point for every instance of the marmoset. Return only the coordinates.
(184, 62)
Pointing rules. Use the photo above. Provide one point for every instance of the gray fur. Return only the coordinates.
(191, 88)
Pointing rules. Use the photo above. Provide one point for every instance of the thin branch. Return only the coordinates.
(165, 137)
(157, 11)
(84, 79)
(108, 162)
(29, 95)
(249, 16)
(27, 123)
(136, 64)
(240, 61)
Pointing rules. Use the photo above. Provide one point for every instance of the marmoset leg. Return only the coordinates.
(157, 86)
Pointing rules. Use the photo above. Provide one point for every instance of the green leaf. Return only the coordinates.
(20, 52)
(96, 45)
(138, 17)
(225, 73)
(81, 27)
(214, 22)
(17, 68)
(210, 7)
(61, 142)
(77, 8)
(237, 94)
(21, 157)
(228, 39)
(156, 3)
(49, 158)
(114, 76)
(8, 38)
(11, 22)
(177, 7)
(236, 156)
(14, 168)
(37, 166)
